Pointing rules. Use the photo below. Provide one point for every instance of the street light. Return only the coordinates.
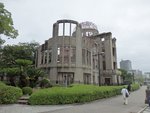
(98, 54)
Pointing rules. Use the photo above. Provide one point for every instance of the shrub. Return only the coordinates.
(135, 87)
(27, 90)
(9, 94)
(74, 94)
(45, 83)
(2, 84)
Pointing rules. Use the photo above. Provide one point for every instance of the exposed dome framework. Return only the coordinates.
(88, 25)
(88, 29)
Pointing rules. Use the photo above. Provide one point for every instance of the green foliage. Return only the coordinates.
(6, 23)
(9, 94)
(30, 47)
(11, 71)
(19, 60)
(74, 94)
(11, 74)
(2, 84)
(27, 90)
(123, 72)
(45, 83)
(135, 87)
(127, 77)
(2, 41)
(33, 74)
(10, 53)
(140, 79)
(23, 62)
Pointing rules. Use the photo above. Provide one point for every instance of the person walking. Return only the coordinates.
(129, 88)
(125, 95)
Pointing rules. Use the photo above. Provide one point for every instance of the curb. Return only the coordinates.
(142, 109)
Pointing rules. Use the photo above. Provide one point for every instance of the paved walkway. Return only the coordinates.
(147, 110)
(111, 105)
(17, 108)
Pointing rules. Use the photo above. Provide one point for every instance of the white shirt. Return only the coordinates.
(124, 91)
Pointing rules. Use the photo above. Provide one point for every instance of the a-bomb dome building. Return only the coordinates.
(78, 53)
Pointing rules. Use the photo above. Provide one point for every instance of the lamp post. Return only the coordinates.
(99, 72)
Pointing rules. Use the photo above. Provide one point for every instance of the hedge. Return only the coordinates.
(2, 84)
(75, 94)
(9, 94)
(135, 87)
(27, 90)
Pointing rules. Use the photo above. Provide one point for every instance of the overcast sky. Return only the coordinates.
(128, 20)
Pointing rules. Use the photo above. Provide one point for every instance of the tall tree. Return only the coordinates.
(123, 73)
(34, 74)
(31, 48)
(10, 53)
(127, 77)
(6, 24)
(11, 74)
(23, 65)
(20, 56)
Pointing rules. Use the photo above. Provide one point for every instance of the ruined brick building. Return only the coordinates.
(77, 53)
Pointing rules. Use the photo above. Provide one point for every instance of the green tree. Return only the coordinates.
(140, 79)
(22, 56)
(10, 53)
(30, 48)
(11, 74)
(127, 77)
(123, 73)
(23, 65)
(34, 74)
(6, 24)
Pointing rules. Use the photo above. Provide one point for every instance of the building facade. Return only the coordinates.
(77, 53)
(126, 65)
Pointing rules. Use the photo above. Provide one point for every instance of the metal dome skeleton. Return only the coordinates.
(88, 29)
(88, 25)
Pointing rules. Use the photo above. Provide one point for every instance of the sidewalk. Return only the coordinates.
(110, 105)
(18, 108)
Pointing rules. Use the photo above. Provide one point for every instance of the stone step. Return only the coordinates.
(23, 100)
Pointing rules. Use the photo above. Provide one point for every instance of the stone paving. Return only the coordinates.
(110, 105)
(18, 108)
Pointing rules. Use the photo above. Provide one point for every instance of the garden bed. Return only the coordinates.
(74, 94)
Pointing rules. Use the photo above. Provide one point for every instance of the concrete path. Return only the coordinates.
(111, 105)
(17, 108)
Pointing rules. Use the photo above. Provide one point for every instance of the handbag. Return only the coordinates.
(127, 95)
